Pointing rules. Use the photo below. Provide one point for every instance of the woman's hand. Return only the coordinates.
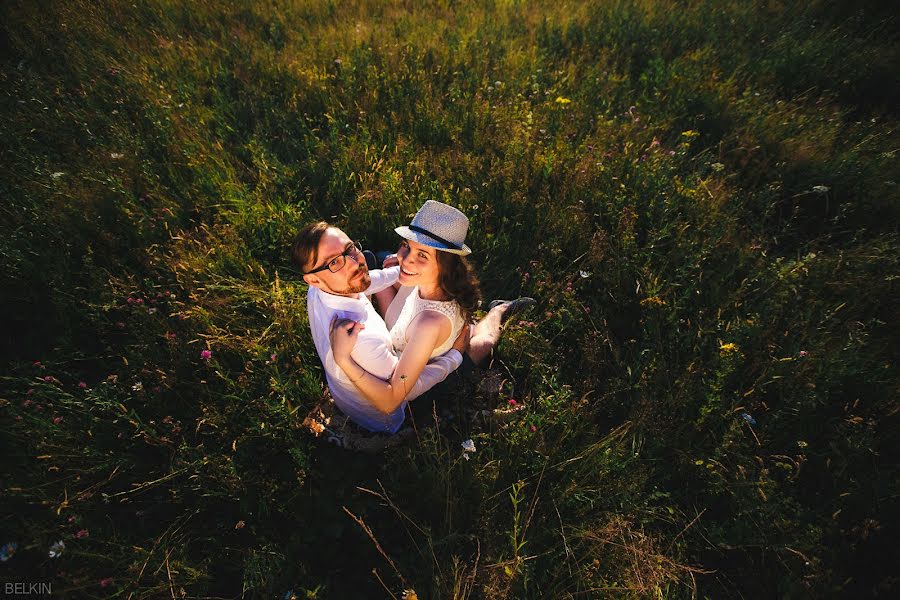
(344, 333)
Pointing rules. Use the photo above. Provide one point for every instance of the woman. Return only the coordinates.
(437, 312)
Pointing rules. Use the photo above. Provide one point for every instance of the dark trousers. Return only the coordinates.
(443, 396)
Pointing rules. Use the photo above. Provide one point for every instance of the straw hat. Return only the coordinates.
(440, 226)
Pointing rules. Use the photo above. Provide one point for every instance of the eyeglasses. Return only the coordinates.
(354, 249)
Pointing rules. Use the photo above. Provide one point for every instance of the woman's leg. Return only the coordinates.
(486, 334)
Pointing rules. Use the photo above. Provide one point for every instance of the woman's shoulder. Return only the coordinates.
(430, 318)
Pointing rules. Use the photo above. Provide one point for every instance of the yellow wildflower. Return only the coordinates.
(654, 301)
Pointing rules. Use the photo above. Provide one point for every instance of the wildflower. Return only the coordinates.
(81, 533)
(106, 582)
(71, 519)
(206, 354)
(130, 300)
(728, 348)
(804, 354)
(138, 387)
(48, 378)
(57, 420)
(748, 418)
(533, 428)
(549, 314)
(562, 101)
(468, 446)
(115, 155)
(30, 392)
(7, 551)
(273, 357)
(56, 175)
(240, 525)
(587, 309)
(512, 402)
(82, 385)
(36, 363)
(653, 300)
(56, 549)
(584, 274)
(27, 402)
(717, 167)
(820, 189)
(690, 133)
(151, 311)
(801, 444)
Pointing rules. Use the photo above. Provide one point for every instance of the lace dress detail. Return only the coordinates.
(413, 306)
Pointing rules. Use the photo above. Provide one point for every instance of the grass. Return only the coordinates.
(701, 196)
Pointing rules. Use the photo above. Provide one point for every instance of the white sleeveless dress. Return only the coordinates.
(415, 304)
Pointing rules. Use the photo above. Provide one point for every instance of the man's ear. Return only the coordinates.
(312, 280)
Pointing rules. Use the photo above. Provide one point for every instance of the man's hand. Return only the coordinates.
(389, 261)
(462, 340)
(344, 333)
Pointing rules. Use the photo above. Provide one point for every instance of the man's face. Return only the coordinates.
(350, 279)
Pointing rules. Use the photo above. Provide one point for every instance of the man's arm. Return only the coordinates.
(382, 279)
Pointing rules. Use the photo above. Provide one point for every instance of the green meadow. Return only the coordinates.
(702, 196)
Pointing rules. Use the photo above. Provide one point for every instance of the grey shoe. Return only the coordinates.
(515, 306)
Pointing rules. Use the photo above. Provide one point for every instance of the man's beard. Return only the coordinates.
(354, 288)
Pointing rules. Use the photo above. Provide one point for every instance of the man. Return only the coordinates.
(338, 278)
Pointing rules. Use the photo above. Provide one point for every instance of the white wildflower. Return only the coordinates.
(56, 549)
(820, 189)
(468, 446)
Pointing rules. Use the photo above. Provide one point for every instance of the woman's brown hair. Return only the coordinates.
(458, 280)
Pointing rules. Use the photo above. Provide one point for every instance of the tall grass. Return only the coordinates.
(701, 195)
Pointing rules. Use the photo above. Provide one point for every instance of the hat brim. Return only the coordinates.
(405, 232)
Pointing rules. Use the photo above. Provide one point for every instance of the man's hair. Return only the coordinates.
(305, 250)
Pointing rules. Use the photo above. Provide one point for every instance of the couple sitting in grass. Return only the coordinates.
(378, 361)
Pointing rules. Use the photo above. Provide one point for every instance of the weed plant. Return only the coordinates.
(701, 195)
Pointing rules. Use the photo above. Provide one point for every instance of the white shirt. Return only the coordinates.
(373, 352)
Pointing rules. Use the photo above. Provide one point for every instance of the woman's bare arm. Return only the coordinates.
(425, 332)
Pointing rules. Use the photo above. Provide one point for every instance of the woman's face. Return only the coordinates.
(418, 264)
